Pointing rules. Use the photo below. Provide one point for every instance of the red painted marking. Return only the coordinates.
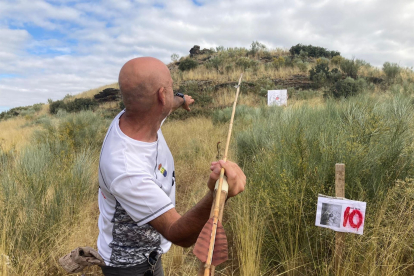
(346, 216)
(349, 217)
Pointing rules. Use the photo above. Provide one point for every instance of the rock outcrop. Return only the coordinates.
(196, 51)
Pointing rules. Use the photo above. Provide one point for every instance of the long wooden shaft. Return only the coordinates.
(223, 198)
(339, 237)
(218, 192)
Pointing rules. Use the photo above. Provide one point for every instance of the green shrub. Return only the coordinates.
(303, 66)
(336, 60)
(37, 107)
(214, 62)
(242, 114)
(322, 60)
(319, 74)
(303, 55)
(56, 105)
(319, 79)
(313, 51)
(278, 62)
(262, 85)
(266, 55)
(350, 67)
(220, 49)
(187, 64)
(348, 87)
(80, 104)
(391, 70)
(246, 63)
(256, 47)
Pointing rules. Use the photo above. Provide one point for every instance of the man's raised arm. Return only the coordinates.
(184, 230)
(184, 101)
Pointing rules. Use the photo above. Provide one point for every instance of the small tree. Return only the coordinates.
(391, 70)
(174, 57)
(256, 47)
(350, 67)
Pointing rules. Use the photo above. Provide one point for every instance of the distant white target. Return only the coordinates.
(277, 97)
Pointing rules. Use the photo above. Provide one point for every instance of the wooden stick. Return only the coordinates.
(218, 192)
(339, 192)
(223, 198)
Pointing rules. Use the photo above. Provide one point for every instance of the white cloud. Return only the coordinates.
(97, 37)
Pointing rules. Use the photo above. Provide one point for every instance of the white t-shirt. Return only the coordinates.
(137, 184)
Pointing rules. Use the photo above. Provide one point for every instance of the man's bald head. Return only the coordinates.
(139, 80)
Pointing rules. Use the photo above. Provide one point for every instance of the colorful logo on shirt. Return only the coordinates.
(162, 170)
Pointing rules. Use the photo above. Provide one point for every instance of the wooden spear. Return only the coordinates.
(213, 229)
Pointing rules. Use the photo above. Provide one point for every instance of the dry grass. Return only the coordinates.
(201, 73)
(14, 134)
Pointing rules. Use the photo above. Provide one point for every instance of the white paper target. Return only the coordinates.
(341, 215)
(277, 97)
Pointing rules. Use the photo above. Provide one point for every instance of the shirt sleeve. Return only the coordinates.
(141, 197)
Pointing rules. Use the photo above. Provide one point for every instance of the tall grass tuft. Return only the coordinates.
(44, 188)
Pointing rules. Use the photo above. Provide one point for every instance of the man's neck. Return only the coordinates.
(142, 128)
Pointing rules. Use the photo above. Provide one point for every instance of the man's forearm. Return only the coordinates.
(187, 228)
(178, 101)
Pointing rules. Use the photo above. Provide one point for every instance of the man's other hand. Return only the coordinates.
(235, 176)
(188, 101)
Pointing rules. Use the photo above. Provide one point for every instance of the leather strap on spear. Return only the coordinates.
(211, 246)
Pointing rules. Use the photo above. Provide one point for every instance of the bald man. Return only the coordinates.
(138, 221)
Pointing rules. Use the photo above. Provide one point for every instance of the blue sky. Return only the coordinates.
(60, 47)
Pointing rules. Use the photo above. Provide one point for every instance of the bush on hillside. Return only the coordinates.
(246, 63)
(303, 55)
(54, 106)
(303, 66)
(187, 64)
(262, 85)
(391, 70)
(256, 47)
(80, 104)
(350, 67)
(336, 60)
(313, 51)
(72, 106)
(278, 62)
(214, 62)
(322, 67)
(348, 87)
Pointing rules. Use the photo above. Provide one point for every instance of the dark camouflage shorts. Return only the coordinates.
(137, 270)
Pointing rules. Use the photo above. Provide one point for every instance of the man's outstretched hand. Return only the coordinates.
(235, 176)
(188, 101)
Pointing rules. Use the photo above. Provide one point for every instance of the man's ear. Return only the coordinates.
(161, 95)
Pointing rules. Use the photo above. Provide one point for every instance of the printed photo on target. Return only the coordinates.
(331, 215)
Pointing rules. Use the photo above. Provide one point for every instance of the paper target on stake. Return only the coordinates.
(340, 214)
(277, 97)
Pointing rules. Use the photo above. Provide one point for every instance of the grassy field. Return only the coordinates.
(48, 169)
